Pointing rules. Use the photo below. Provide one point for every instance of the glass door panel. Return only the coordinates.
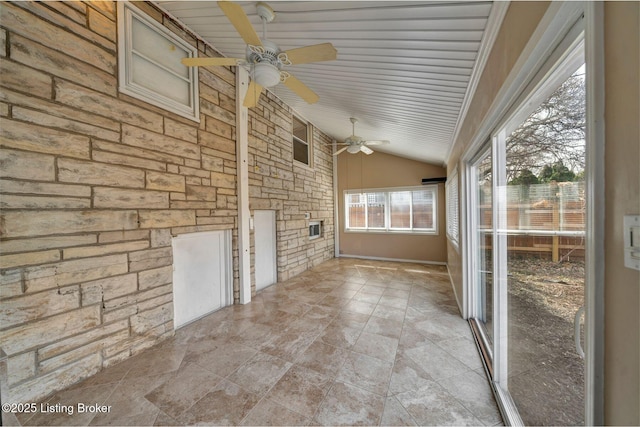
(484, 235)
(545, 224)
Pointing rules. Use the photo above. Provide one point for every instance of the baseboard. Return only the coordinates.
(373, 258)
(455, 293)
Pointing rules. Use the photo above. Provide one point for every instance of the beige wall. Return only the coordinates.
(380, 170)
(622, 189)
(95, 184)
(622, 181)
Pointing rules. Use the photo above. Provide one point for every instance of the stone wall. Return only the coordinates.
(95, 184)
(292, 189)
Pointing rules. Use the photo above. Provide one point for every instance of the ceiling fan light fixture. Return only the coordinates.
(353, 149)
(266, 75)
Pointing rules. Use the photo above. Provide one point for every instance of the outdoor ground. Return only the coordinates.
(557, 286)
(547, 375)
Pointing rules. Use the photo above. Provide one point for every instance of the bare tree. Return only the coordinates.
(554, 132)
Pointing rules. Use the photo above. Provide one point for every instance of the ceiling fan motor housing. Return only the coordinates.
(266, 63)
(265, 74)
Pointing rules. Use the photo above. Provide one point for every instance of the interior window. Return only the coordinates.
(150, 67)
(301, 146)
(396, 210)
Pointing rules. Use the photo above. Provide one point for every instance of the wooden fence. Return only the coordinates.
(543, 219)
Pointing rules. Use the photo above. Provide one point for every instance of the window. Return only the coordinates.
(301, 146)
(149, 64)
(375, 210)
(451, 190)
(400, 208)
(410, 210)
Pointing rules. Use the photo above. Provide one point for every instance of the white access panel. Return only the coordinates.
(202, 274)
(266, 269)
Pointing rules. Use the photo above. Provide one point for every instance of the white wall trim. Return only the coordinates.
(375, 258)
(494, 23)
(336, 210)
(465, 245)
(244, 215)
(595, 227)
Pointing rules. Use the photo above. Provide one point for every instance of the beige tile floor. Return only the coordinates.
(349, 342)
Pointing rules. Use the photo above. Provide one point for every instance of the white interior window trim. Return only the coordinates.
(149, 66)
(363, 200)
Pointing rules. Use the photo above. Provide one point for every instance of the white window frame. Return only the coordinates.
(453, 211)
(127, 13)
(387, 211)
(308, 142)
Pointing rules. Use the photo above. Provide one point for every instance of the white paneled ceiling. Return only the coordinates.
(403, 67)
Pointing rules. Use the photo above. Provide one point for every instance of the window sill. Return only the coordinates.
(299, 164)
(420, 233)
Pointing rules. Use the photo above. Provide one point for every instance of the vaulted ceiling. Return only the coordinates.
(404, 68)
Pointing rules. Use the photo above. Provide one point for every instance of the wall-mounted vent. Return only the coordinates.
(426, 181)
(315, 229)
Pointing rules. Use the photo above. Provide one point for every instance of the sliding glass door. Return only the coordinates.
(527, 258)
(545, 255)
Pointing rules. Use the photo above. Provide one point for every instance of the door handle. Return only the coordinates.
(576, 331)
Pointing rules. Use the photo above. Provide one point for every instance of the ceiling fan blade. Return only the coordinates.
(340, 151)
(301, 90)
(366, 150)
(378, 142)
(253, 95)
(241, 22)
(315, 53)
(201, 62)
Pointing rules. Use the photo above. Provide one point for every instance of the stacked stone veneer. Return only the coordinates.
(95, 184)
(292, 189)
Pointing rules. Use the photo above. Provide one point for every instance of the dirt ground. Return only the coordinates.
(547, 375)
(557, 286)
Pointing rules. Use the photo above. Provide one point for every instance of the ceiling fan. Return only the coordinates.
(264, 57)
(355, 144)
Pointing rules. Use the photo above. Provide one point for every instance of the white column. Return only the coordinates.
(242, 157)
(336, 213)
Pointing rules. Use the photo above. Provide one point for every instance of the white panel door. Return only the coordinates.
(265, 248)
(201, 275)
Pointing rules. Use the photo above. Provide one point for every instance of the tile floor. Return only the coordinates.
(349, 342)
